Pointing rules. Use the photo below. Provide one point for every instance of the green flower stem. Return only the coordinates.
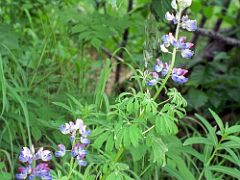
(119, 153)
(172, 62)
(71, 168)
(211, 158)
(71, 163)
(117, 157)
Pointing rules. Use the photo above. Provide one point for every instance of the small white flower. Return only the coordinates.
(169, 16)
(184, 3)
(163, 48)
(174, 4)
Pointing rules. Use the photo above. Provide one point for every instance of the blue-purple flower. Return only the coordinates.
(190, 25)
(177, 74)
(79, 153)
(181, 45)
(43, 171)
(185, 22)
(61, 152)
(23, 172)
(79, 138)
(28, 156)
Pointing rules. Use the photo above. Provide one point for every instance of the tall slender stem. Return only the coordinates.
(211, 158)
(173, 59)
(71, 162)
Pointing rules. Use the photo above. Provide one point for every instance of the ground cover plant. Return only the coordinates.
(119, 89)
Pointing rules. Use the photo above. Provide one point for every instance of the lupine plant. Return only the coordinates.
(78, 136)
(135, 137)
(176, 44)
(33, 169)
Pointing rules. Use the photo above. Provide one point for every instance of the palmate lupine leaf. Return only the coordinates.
(165, 125)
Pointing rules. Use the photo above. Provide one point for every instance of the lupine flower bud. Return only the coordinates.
(183, 4)
(174, 4)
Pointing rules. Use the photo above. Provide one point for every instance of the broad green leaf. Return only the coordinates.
(159, 150)
(134, 134)
(160, 7)
(211, 130)
(114, 176)
(119, 139)
(226, 170)
(126, 137)
(122, 166)
(138, 152)
(218, 120)
(198, 140)
(100, 140)
(196, 98)
(233, 129)
(173, 172)
(109, 144)
(36, 132)
(208, 173)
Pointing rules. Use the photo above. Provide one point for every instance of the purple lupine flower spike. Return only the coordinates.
(61, 152)
(29, 156)
(75, 129)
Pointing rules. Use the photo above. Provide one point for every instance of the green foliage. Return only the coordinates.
(225, 146)
(53, 69)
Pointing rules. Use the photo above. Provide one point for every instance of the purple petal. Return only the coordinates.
(191, 25)
(182, 39)
(155, 75)
(61, 152)
(65, 128)
(187, 54)
(26, 155)
(159, 66)
(85, 140)
(179, 79)
(152, 82)
(22, 173)
(82, 162)
(179, 71)
(46, 155)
